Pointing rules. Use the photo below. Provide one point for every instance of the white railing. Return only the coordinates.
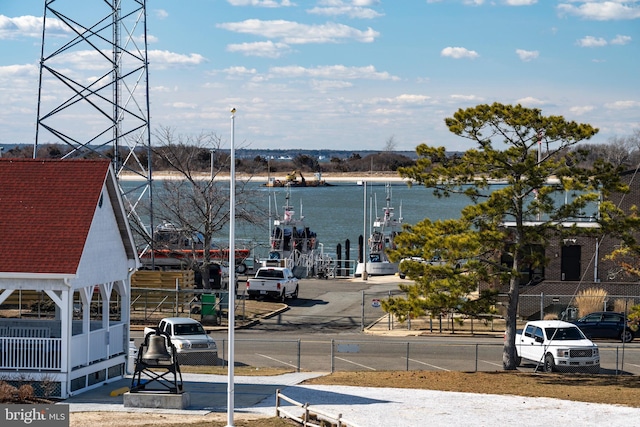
(30, 353)
(308, 416)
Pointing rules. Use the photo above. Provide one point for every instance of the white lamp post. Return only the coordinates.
(232, 276)
(365, 275)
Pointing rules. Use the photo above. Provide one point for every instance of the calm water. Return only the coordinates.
(336, 213)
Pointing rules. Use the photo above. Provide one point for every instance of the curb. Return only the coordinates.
(253, 322)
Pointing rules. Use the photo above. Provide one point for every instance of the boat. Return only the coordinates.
(294, 245)
(385, 228)
(296, 179)
(176, 247)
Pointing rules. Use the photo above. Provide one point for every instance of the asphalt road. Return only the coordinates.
(322, 332)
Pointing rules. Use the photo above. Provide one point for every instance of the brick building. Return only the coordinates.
(577, 262)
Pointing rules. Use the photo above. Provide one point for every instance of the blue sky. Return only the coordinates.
(351, 74)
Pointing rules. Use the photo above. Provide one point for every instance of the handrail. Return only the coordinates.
(309, 415)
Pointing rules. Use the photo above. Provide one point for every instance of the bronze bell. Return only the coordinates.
(156, 350)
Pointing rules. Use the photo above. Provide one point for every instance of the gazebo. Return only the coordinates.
(66, 259)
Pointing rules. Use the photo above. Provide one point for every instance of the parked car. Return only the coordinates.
(218, 277)
(557, 346)
(193, 345)
(606, 324)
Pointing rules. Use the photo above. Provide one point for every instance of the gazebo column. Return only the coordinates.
(64, 313)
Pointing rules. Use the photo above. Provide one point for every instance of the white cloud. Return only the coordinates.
(295, 33)
(357, 9)
(327, 85)
(404, 99)
(183, 105)
(16, 71)
(622, 105)
(465, 98)
(459, 52)
(619, 39)
(530, 101)
(164, 59)
(30, 26)
(602, 10)
(161, 13)
(331, 72)
(581, 109)
(590, 41)
(240, 71)
(527, 55)
(266, 49)
(364, 2)
(520, 2)
(260, 3)
(412, 99)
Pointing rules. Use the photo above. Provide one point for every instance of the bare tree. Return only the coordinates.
(196, 200)
(390, 144)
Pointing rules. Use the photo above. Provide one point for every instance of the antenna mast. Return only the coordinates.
(93, 92)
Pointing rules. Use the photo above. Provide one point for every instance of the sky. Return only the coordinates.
(351, 74)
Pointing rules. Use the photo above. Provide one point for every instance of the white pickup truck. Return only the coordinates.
(557, 345)
(274, 282)
(193, 345)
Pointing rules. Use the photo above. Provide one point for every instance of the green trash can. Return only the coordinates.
(208, 311)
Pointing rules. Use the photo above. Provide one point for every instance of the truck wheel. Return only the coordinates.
(518, 360)
(283, 296)
(241, 268)
(549, 363)
(295, 294)
(626, 336)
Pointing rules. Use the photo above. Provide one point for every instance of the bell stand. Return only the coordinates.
(162, 381)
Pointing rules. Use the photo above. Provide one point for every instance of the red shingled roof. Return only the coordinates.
(46, 208)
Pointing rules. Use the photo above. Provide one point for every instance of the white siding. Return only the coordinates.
(104, 258)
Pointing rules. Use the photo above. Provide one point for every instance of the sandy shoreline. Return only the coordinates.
(338, 177)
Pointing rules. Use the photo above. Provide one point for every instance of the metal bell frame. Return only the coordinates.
(147, 376)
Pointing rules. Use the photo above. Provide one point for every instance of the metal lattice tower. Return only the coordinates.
(93, 94)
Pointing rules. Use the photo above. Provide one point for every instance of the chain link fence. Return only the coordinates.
(399, 355)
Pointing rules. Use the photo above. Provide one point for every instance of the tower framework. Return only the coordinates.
(93, 93)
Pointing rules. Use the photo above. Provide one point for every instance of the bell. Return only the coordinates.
(156, 350)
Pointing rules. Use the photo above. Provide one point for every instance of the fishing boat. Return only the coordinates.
(384, 230)
(176, 247)
(294, 245)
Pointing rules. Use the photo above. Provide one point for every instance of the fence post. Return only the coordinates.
(541, 305)
(278, 402)
(362, 322)
(177, 295)
(332, 366)
(389, 318)
(407, 355)
(299, 355)
(476, 358)
(224, 361)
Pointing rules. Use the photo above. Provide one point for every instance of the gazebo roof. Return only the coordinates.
(46, 210)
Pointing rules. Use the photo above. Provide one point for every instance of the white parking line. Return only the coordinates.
(427, 364)
(357, 364)
(277, 360)
(490, 363)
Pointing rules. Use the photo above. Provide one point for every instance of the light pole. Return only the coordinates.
(232, 276)
(365, 275)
